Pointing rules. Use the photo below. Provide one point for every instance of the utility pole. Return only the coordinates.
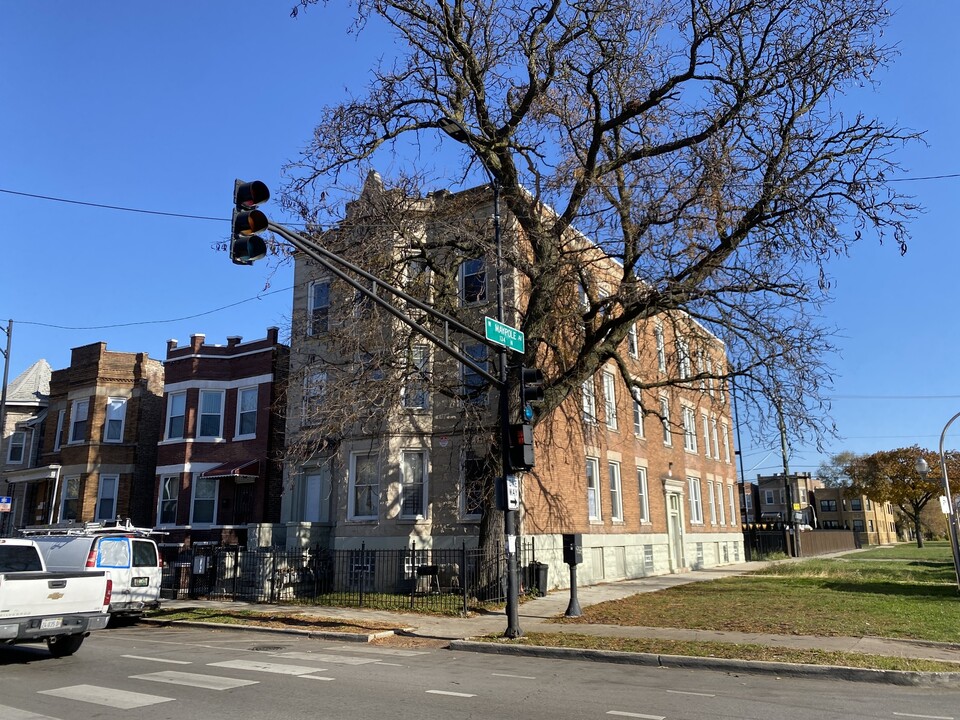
(792, 526)
(3, 421)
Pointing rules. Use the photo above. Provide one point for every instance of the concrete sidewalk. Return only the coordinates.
(535, 616)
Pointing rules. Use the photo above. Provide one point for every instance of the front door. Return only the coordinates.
(675, 532)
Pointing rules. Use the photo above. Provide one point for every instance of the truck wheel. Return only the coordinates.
(63, 645)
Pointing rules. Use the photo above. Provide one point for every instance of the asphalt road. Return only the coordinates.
(153, 673)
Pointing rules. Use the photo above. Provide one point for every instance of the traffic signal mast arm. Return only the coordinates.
(330, 261)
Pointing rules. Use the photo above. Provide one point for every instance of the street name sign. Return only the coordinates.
(509, 337)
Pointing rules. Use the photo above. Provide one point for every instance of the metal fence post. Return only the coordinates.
(463, 575)
(363, 558)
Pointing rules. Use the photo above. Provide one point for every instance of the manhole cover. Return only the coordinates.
(267, 648)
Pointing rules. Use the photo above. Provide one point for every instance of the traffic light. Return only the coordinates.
(520, 442)
(245, 245)
(531, 390)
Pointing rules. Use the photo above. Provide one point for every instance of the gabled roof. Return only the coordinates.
(32, 386)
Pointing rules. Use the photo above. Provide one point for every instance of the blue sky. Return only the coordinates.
(160, 106)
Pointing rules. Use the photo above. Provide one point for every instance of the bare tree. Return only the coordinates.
(697, 143)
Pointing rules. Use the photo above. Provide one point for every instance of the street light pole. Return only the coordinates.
(457, 131)
(951, 511)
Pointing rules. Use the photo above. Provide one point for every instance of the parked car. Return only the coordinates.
(126, 553)
(59, 608)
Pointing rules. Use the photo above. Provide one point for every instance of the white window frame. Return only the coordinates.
(706, 434)
(313, 328)
(372, 487)
(165, 498)
(462, 278)
(637, 414)
(102, 494)
(633, 346)
(696, 500)
(68, 495)
(12, 444)
(116, 412)
(415, 391)
(661, 345)
(616, 491)
(643, 494)
(410, 483)
(716, 439)
(194, 499)
(711, 502)
(592, 473)
(317, 493)
(589, 401)
(80, 413)
(689, 429)
(683, 358)
(768, 497)
(253, 390)
(721, 512)
(58, 438)
(665, 421)
(609, 399)
(172, 399)
(201, 413)
(726, 442)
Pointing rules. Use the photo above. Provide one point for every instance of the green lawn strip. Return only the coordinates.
(301, 621)
(833, 597)
(725, 650)
(935, 551)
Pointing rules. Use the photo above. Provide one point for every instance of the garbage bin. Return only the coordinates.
(540, 576)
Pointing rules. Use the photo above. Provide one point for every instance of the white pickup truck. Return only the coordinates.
(60, 608)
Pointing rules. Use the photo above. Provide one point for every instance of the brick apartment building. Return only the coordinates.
(96, 457)
(219, 463)
(648, 480)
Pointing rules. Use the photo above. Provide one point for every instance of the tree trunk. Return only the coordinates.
(916, 529)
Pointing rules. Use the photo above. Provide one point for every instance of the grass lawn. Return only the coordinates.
(898, 592)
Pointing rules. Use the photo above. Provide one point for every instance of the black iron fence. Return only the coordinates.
(442, 580)
(760, 540)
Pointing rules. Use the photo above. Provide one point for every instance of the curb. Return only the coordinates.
(314, 634)
(832, 672)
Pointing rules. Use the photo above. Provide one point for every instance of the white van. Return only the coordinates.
(127, 554)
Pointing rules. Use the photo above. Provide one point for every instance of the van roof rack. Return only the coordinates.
(71, 527)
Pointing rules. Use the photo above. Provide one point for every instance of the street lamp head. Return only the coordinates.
(454, 128)
(922, 468)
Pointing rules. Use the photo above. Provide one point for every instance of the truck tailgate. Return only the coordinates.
(23, 594)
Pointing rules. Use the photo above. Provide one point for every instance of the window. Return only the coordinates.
(683, 357)
(316, 495)
(610, 400)
(413, 484)
(716, 443)
(70, 505)
(733, 504)
(706, 435)
(637, 414)
(176, 415)
(616, 496)
(364, 487)
(474, 385)
(211, 414)
(870, 525)
(169, 494)
(726, 443)
(78, 421)
(710, 380)
(15, 449)
(702, 369)
(665, 420)
(721, 515)
(589, 401)
(689, 430)
(710, 503)
(633, 348)
(856, 504)
(869, 504)
(319, 308)
(696, 503)
(415, 393)
(116, 413)
(58, 438)
(828, 506)
(417, 283)
(858, 525)
(474, 474)
(473, 281)
(107, 498)
(768, 497)
(247, 412)
(643, 494)
(661, 348)
(593, 488)
(748, 501)
(314, 391)
(204, 507)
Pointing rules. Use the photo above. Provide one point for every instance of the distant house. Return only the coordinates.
(24, 417)
(872, 521)
(218, 462)
(96, 458)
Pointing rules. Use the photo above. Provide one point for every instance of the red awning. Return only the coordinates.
(239, 470)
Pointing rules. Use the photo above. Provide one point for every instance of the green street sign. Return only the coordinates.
(509, 337)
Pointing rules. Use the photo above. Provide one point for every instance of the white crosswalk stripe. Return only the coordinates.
(324, 658)
(111, 697)
(396, 652)
(268, 667)
(12, 713)
(208, 682)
